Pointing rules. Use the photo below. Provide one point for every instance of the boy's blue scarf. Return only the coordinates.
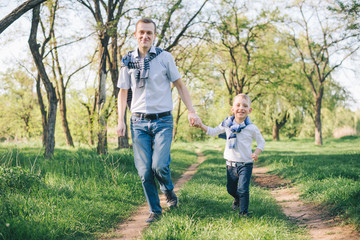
(143, 66)
(234, 127)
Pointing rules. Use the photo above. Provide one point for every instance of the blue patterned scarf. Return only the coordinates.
(234, 127)
(142, 66)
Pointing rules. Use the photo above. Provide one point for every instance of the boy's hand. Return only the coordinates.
(194, 119)
(254, 156)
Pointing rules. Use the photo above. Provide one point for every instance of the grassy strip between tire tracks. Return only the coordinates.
(205, 210)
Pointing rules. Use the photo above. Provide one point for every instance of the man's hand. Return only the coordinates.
(194, 119)
(121, 128)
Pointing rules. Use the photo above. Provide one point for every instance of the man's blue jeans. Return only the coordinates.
(238, 181)
(151, 145)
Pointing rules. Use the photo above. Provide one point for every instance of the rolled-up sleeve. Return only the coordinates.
(124, 81)
(173, 73)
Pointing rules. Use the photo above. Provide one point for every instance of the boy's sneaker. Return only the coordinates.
(153, 217)
(171, 199)
(244, 214)
(236, 204)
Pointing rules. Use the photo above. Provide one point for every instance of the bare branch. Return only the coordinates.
(18, 12)
(176, 41)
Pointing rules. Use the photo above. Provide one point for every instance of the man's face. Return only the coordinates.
(241, 108)
(145, 35)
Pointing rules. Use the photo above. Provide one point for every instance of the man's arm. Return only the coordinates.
(185, 96)
(122, 98)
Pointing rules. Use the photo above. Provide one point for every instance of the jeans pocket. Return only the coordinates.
(167, 119)
(134, 119)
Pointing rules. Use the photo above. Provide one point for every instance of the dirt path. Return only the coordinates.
(320, 225)
(133, 227)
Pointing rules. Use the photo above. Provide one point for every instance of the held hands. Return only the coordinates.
(194, 119)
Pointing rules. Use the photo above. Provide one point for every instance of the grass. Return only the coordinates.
(328, 176)
(76, 195)
(80, 195)
(205, 210)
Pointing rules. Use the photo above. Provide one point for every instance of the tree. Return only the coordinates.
(170, 37)
(323, 43)
(50, 89)
(91, 111)
(18, 12)
(175, 36)
(18, 105)
(105, 29)
(240, 57)
(117, 44)
(60, 77)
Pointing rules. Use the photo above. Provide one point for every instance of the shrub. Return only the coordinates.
(17, 178)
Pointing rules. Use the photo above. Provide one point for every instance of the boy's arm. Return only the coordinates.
(203, 127)
(255, 154)
(260, 141)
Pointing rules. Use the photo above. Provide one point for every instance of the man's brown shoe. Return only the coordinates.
(153, 217)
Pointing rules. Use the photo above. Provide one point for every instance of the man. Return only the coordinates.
(148, 71)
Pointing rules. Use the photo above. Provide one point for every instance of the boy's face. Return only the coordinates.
(241, 108)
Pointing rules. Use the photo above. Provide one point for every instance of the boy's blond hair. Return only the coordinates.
(243, 96)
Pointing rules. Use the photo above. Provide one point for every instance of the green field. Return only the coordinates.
(328, 176)
(80, 195)
(76, 195)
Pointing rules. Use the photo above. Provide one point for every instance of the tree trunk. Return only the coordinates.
(42, 110)
(51, 93)
(91, 114)
(278, 125)
(91, 130)
(65, 124)
(275, 132)
(317, 119)
(102, 120)
(61, 91)
(123, 142)
(18, 12)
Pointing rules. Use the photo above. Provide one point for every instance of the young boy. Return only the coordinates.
(240, 133)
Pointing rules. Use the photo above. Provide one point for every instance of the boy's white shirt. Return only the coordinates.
(242, 151)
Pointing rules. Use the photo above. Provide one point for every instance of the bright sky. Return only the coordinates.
(13, 48)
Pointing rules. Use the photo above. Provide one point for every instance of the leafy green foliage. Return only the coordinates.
(17, 178)
(19, 117)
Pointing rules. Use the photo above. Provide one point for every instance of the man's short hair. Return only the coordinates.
(243, 96)
(146, 20)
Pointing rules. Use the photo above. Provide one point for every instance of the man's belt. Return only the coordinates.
(152, 116)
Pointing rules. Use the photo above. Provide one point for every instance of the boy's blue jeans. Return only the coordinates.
(151, 145)
(238, 181)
